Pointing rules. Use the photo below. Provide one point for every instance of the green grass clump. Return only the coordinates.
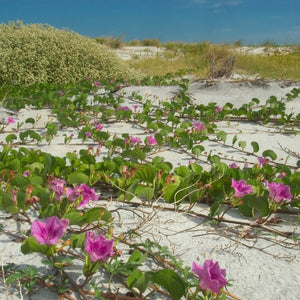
(38, 53)
(271, 66)
(110, 41)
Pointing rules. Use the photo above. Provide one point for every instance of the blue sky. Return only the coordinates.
(217, 21)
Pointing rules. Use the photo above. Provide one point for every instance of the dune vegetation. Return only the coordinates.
(207, 60)
(39, 53)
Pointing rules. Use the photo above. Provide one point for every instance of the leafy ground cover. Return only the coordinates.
(58, 196)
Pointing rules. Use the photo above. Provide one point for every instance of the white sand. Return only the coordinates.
(261, 265)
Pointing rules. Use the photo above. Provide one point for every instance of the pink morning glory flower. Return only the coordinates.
(10, 120)
(279, 192)
(134, 140)
(99, 127)
(50, 231)
(241, 188)
(151, 141)
(261, 161)
(281, 175)
(88, 134)
(210, 275)
(26, 173)
(125, 108)
(84, 191)
(99, 248)
(96, 83)
(218, 109)
(233, 166)
(197, 126)
(57, 185)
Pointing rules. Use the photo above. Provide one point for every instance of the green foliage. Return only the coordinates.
(40, 53)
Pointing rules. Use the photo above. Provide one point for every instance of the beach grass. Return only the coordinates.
(201, 58)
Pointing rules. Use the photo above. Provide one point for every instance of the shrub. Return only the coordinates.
(39, 53)
(110, 41)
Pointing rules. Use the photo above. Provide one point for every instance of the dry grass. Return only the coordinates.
(201, 60)
(272, 67)
(214, 61)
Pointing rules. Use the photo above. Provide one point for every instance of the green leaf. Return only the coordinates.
(14, 164)
(77, 240)
(234, 140)
(170, 189)
(258, 202)
(242, 144)
(138, 280)
(270, 153)
(34, 135)
(78, 178)
(255, 146)
(75, 218)
(146, 173)
(19, 181)
(222, 135)
(171, 281)
(35, 180)
(196, 168)
(30, 120)
(97, 213)
(182, 171)
(138, 257)
(197, 149)
(145, 192)
(30, 245)
(10, 138)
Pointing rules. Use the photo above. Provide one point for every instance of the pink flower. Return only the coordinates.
(246, 165)
(125, 108)
(84, 191)
(233, 166)
(88, 134)
(151, 141)
(99, 248)
(135, 107)
(261, 161)
(210, 275)
(197, 126)
(99, 127)
(281, 175)
(218, 109)
(61, 93)
(54, 184)
(10, 120)
(134, 140)
(279, 191)
(50, 231)
(26, 173)
(57, 185)
(241, 188)
(96, 83)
